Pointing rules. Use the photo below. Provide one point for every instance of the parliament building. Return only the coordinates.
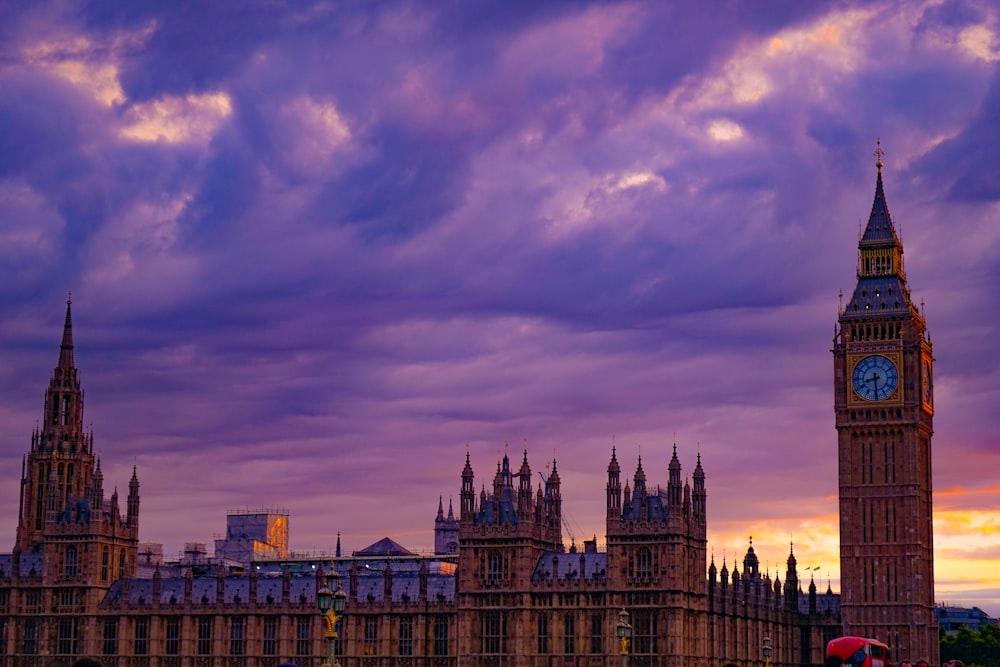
(503, 589)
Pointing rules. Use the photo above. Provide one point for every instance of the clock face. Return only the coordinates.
(875, 378)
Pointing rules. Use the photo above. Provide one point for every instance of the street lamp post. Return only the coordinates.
(331, 606)
(766, 650)
(624, 631)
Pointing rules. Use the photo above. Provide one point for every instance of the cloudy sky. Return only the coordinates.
(316, 248)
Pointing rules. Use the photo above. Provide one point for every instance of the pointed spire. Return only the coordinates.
(879, 228)
(66, 348)
(337, 552)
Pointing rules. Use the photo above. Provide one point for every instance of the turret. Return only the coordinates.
(699, 495)
(468, 493)
(524, 496)
(614, 490)
(674, 482)
(133, 501)
(791, 582)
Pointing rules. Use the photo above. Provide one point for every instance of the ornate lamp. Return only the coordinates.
(623, 630)
(331, 606)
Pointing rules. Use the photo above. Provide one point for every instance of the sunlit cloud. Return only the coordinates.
(834, 43)
(981, 42)
(724, 130)
(91, 65)
(191, 118)
(639, 179)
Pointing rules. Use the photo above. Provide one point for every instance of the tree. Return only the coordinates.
(975, 649)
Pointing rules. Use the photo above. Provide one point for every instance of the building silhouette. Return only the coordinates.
(504, 590)
(884, 405)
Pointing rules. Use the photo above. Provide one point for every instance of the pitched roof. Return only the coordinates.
(385, 547)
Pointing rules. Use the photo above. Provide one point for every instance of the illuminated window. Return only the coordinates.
(371, 635)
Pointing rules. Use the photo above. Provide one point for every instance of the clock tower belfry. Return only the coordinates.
(883, 401)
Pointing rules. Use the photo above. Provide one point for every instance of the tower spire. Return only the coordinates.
(66, 348)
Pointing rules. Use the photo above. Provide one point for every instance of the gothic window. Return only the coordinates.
(302, 636)
(71, 561)
(110, 646)
(644, 563)
(29, 642)
(543, 632)
(141, 644)
(596, 636)
(270, 636)
(494, 566)
(494, 633)
(644, 632)
(569, 634)
(105, 557)
(371, 635)
(236, 627)
(3, 635)
(121, 563)
(406, 636)
(440, 635)
(69, 636)
(173, 633)
(205, 635)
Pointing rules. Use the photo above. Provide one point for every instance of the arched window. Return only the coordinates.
(72, 561)
(105, 557)
(494, 566)
(644, 562)
(121, 563)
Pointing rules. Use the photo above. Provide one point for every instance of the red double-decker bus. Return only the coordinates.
(856, 652)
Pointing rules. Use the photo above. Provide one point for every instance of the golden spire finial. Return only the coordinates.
(878, 153)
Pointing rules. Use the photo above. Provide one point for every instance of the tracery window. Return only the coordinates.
(644, 563)
(173, 633)
(406, 636)
(72, 561)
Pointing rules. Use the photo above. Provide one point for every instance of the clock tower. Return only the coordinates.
(883, 400)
